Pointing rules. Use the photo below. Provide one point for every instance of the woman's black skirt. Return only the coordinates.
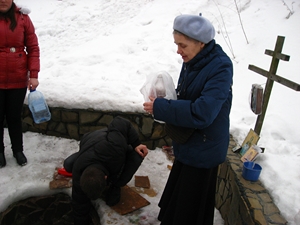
(189, 196)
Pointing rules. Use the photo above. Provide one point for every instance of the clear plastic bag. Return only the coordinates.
(159, 85)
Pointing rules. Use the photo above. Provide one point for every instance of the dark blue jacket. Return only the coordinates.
(204, 103)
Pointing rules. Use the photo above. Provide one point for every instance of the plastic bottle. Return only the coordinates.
(244, 149)
(38, 107)
(160, 87)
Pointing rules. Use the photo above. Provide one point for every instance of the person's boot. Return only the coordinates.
(2, 160)
(113, 195)
(21, 158)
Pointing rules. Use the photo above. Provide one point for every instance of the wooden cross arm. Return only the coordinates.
(278, 55)
(275, 77)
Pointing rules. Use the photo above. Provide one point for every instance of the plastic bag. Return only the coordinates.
(159, 85)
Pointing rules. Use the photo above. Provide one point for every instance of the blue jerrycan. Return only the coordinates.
(38, 107)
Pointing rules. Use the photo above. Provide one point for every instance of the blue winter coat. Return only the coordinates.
(204, 103)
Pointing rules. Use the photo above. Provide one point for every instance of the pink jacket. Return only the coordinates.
(19, 52)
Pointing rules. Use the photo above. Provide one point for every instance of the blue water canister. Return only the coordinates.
(38, 107)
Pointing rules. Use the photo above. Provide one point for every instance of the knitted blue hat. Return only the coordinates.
(196, 27)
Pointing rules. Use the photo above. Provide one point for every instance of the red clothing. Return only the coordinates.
(19, 52)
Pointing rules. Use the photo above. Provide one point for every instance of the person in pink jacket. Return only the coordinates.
(19, 68)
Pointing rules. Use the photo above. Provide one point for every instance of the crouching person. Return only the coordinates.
(107, 158)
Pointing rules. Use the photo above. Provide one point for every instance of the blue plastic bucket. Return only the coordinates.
(251, 171)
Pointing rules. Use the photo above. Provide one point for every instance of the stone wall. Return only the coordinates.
(243, 202)
(240, 202)
(74, 123)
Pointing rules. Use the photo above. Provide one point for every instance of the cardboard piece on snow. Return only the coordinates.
(148, 191)
(142, 181)
(60, 181)
(130, 201)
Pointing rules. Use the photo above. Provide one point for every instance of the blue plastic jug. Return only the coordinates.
(38, 107)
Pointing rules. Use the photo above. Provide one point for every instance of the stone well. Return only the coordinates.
(45, 210)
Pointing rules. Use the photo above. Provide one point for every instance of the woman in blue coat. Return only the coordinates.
(202, 111)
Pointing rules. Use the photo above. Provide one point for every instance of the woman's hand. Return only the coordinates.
(148, 106)
(33, 83)
(142, 150)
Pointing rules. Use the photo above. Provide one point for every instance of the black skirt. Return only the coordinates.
(189, 196)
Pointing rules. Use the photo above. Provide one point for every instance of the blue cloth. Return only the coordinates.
(204, 102)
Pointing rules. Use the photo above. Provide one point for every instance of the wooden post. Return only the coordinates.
(271, 77)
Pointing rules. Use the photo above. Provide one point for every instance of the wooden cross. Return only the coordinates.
(271, 77)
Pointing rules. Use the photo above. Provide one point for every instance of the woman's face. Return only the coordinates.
(187, 48)
(5, 5)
